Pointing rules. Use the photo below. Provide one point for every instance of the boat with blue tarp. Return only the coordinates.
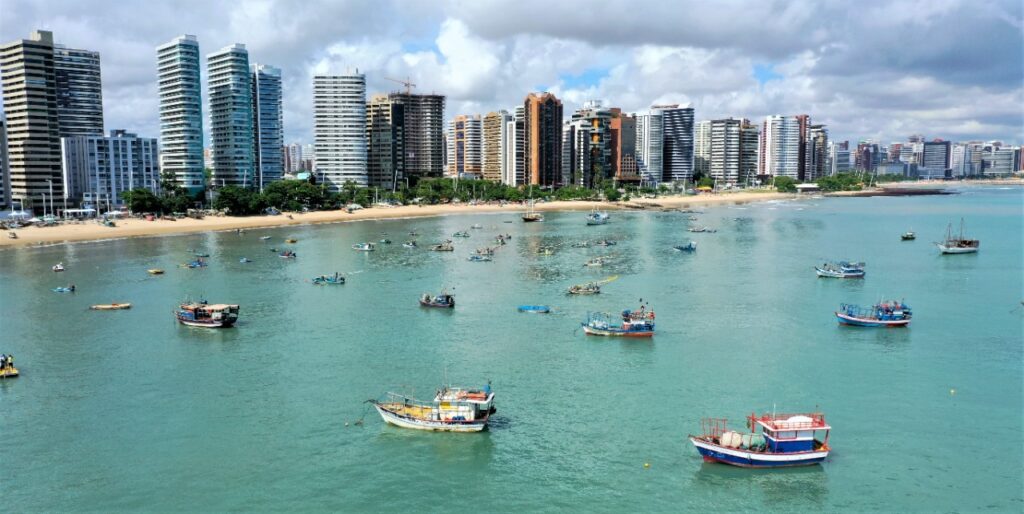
(597, 218)
(441, 301)
(774, 441)
(638, 323)
(326, 280)
(893, 313)
(841, 269)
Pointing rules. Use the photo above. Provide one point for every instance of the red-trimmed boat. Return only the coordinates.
(884, 314)
(774, 441)
(638, 323)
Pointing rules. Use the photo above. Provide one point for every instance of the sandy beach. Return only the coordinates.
(132, 227)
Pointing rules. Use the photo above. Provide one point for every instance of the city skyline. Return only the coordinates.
(942, 82)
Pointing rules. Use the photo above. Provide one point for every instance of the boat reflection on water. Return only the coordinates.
(780, 488)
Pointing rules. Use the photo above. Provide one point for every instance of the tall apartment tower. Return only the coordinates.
(587, 146)
(677, 149)
(724, 151)
(779, 153)
(702, 147)
(5, 172)
(231, 117)
(494, 138)
(339, 111)
(267, 124)
(424, 134)
(181, 111)
(295, 158)
(515, 149)
(79, 91)
(839, 157)
(385, 135)
(542, 119)
(464, 146)
(623, 146)
(30, 105)
(816, 152)
(749, 142)
(649, 139)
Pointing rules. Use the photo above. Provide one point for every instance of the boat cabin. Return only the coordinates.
(789, 433)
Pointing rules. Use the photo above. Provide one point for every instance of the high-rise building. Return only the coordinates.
(649, 153)
(339, 111)
(623, 144)
(677, 142)
(79, 91)
(779, 153)
(803, 158)
(997, 160)
(867, 157)
(98, 169)
(30, 105)
(816, 152)
(5, 172)
(587, 146)
(839, 157)
(385, 135)
(702, 147)
(723, 156)
(960, 161)
(542, 118)
(424, 134)
(492, 145)
(935, 159)
(750, 140)
(296, 158)
(181, 112)
(231, 117)
(464, 146)
(514, 156)
(267, 124)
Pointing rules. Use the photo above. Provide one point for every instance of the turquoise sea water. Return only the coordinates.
(126, 410)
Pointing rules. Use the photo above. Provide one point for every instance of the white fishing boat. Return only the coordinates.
(58, 267)
(452, 410)
(364, 247)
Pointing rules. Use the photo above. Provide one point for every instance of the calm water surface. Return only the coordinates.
(127, 410)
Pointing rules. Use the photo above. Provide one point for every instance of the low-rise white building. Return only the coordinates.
(100, 168)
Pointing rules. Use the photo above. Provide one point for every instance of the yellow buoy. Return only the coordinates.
(647, 465)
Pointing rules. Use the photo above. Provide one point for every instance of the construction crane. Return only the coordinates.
(407, 83)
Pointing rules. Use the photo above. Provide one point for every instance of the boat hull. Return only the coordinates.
(207, 324)
(957, 249)
(437, 305)
(846, 319)
(609, 332)
(838, 274)
(742, 458)
(398, 420)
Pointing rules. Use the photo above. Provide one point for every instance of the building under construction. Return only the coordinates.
(423, 133)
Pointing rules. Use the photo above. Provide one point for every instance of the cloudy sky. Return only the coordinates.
(881, 70)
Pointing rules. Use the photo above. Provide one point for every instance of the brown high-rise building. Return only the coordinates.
(623, 139)
(33, 135)
(543, 139)
(803, 160)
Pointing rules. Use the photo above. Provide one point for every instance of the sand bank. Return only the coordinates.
(92, 231)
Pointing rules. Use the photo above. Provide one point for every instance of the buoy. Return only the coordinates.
(952, 391)
(647, 465)
(346, 423)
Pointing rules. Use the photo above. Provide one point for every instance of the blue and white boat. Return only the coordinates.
(597, 218)
(476, 257)
(774, 441)
(325, 280)
(535, 309)
(688, 247)
(364, 247)
(842, 269)
(883, 314)
(638, 323)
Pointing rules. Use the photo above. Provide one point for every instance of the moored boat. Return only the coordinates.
(535, 309)
(477, 226)
(883, 314)
(605, 242)
(364, 247)
(908, 236)
(291, 241)
(774, 440)
(68, 289)
(288, 254)
(7, 370)
(957, 244)
(595, 262)
(57, 268)
(409, 244)
(476, 257)
(203, 314)
(701, 230)
(597, 218)
(442, 301)
(244, 260)
(842, 269)
(452, 410)
(639, 323)
(155, 271)
(111, 306)
(588, 288)
(581, 244)
(462, 233)
(688, 247)
(198, 263)
(323, 280)
(264, 238)
(444, 246)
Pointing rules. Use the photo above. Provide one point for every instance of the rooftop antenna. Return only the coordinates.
(407, 83)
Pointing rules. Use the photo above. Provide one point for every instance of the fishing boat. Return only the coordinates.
(841, 269)
(155, 271)
(605, 242)
(588, 288)
(595, 262)
(245, 260)
(203, 314)
(701, 230)
(957, 244)
(444, 246)
(8, 371)
(581, 244)
(688, 247)
(288, 254)
(413, 233)
(461, 234)
(325, 280)
(597, 218)
(477, 226)
(908, 236)
(68, 289)
(639, 323)
(545, 250)
(443, 300)
(111, 306)
(476, 257)
(291, 241)
(535, 309)
(485, 251)
(452, 410)
(774, 441)
(364, 247)
(264, 238)
(385, 241)
(57, 268)
(198, 263)
(409, 244)
(883, 314)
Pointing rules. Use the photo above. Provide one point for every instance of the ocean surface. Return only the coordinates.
(127, 410)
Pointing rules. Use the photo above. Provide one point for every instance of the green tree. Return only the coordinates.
(238, 201)
(141, 200)
(705, 181)
(785, 185)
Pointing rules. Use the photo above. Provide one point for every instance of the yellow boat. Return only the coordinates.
(291, 240)
(111, 306)
(155, 271)
(10, 372)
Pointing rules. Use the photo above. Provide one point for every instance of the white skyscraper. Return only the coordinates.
(702, 147)
(268, 124)
(339, 111)
(295, 157)
(231, 124)
(780, 147)
(649, 152)
(677, 141)
(181, 111)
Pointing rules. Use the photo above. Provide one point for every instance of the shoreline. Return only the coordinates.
(32, 237)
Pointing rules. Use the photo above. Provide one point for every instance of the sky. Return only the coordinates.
(951, 69)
